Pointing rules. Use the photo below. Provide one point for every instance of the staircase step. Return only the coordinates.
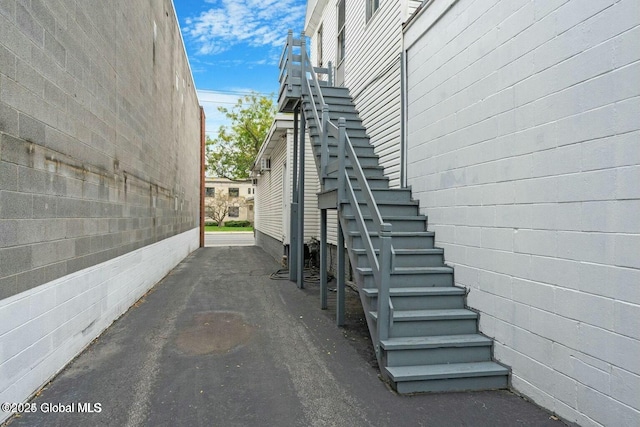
(449, 377)
(353, 122)
(365, 160)
(369, 172)
(331, 183)
(410, 323)
(417, 291)
(411, 277)
(413, 343)
(412, 270)
(349, 114)
(352, 131)
(339, 108)
(362, 147)
(421, 298)
(399, 239)
(405, 257)
(361, 150)
(401, 209)
(406, 351)
(431, 315)
(399, 223)
(386, 195)
(335, 92)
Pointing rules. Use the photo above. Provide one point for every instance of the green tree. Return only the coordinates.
(233, 151)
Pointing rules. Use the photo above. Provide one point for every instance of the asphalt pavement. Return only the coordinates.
(218, 342)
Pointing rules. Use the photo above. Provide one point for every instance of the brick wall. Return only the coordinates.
(524, 122)
(98, 135)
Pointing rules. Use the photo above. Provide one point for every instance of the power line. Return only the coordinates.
(235, 92)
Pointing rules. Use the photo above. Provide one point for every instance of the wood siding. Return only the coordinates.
(372, 70)
(270, 189)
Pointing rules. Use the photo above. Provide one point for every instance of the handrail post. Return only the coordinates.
(301, 177)
(324, 150)
(329, 74)
(289, 60)
(293, 223)
(303, 62)
(383, 285)
(342, 132)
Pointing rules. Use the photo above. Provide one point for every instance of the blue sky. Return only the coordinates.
(234, 46)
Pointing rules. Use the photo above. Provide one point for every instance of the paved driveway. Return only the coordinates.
(219, 343)
(234, 238)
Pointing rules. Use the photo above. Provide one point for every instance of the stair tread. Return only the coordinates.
(432, 251)
(417, 291)
(442, 314)
(437, 341)
(394, 203)
(371, 155)
(397, 233)
(410, 270)
(443, 371)
(392, 217)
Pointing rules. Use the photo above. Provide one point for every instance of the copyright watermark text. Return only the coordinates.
(53, 408)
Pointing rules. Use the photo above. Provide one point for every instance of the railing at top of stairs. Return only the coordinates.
(296, 69)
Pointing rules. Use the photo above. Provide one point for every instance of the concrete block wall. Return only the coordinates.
(523, 130)
(98, 135)
(99, 155)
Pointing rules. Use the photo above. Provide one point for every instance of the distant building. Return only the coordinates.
(240, 197)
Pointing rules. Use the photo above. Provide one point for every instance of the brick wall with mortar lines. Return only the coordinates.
(524, 122)
(99, 135)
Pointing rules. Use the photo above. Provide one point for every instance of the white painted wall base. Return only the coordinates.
(42, 329)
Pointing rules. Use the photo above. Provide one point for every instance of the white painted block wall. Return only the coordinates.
(44, 328)
(524, 151)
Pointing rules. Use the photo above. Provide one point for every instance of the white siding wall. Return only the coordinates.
(372, 71)
(269, 192)
(268, 198)
(524, 122)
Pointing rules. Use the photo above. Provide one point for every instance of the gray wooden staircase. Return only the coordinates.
(430, 341)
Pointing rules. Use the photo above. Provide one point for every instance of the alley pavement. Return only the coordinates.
(218, 342)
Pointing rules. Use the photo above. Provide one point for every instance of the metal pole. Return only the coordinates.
(324, 150)
(323, 259)
(293, 217)
(342, 128)
(300, 266)
(383, 285)
(340, 277)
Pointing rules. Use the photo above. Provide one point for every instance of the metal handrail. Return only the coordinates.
(381, 265)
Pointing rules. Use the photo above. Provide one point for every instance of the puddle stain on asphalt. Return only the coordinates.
(214, 332)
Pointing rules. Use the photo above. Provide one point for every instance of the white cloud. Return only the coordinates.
(256, 23)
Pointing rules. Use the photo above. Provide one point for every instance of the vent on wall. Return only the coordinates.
(265, 164)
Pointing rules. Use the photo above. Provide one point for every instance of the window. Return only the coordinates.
(211, 192)
(372, 6)
(249, 190)
(319, 46)
(234, 212)
(341, 41)
(234, 192)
